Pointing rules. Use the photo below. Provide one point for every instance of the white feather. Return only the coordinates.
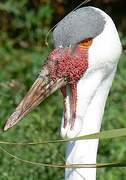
(92, 91)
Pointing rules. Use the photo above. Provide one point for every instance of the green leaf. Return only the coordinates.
(109, 134)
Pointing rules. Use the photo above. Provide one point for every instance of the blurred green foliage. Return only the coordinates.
(23, 23)
(23, 27)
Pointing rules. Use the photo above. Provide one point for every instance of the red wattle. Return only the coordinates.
(74, 103)
(63, 90)
(64, 63)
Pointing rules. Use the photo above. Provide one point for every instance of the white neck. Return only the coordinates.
(85, 151)
(92, 89)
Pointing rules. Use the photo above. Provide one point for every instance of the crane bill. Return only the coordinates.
(42, 88)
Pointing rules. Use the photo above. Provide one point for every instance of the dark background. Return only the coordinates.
(23, 27)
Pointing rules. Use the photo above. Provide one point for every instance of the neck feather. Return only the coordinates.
(85, 151)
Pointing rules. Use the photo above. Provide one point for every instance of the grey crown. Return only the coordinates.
(83, 23)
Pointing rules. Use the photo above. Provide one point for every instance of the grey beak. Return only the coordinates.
(41, 89)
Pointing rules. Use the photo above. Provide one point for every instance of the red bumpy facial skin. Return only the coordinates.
(67, 64)
(71, 65)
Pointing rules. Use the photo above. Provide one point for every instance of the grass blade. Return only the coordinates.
(109, 134)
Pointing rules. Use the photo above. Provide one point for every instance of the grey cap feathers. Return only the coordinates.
(83, 23)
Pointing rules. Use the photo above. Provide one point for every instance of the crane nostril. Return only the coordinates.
(56, 62)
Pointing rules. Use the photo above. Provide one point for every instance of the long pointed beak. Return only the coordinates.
(42, 88)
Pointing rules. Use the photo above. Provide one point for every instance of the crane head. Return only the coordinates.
(84, 41)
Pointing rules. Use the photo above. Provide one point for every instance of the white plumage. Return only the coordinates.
(92, 88)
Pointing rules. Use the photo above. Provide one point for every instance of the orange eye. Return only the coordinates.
(86, 43)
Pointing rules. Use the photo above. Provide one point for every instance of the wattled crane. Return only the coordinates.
(82, 64)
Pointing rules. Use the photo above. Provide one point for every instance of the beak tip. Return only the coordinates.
(13, 119)
(5, 128)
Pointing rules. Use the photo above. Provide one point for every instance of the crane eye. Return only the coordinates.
(86, 43)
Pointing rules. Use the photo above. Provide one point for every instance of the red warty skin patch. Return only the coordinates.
(67, 64)
(71, 65)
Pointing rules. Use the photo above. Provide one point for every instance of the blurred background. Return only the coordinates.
(23, 28)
